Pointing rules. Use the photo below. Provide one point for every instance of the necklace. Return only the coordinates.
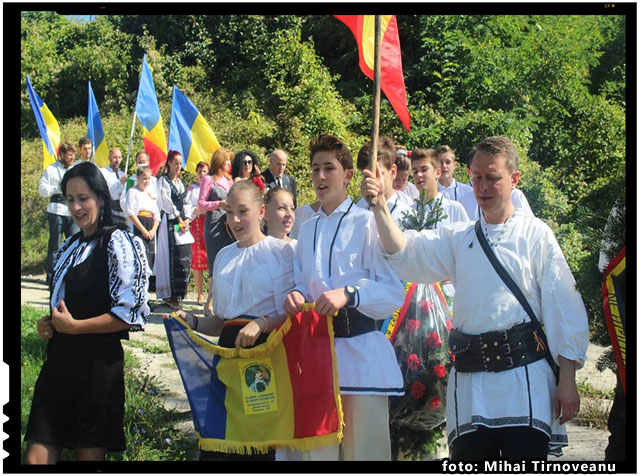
(498, 236)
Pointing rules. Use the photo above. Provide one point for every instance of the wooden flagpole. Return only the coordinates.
(375, 127)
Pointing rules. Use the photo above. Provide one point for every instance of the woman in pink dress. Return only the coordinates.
(213, 202)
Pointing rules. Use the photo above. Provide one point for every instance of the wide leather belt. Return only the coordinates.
(496, 351)
(57, 198)
(350, 322)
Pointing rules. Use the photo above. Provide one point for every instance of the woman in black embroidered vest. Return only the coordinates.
(173, 260)
(98, 293)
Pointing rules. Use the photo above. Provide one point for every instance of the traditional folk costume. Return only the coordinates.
(468, 201)
(455, 190)
(397, 204)
(216, 233)
(334, 251)
(173, 261)
(116, 190)
(250, 282)
(58, 214)
(198, 248)
(78, 400)
(523, 395)
(411, 191)
(303, 213)
(141, 205)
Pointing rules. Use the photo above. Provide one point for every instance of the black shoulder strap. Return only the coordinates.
(513, 287)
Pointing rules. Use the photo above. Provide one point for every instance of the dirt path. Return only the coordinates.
(586, 444)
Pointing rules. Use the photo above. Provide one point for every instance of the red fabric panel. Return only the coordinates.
(310, 367)
(157, 156)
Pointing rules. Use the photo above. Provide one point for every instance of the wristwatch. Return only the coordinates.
(350, 292)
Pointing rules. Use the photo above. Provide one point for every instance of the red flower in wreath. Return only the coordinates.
(434, 404)
(413, 324)
(417, 390)
(427, 306)
(413, 362)
(449, 325)
(440, 371)
(452, 356)
(433, 339)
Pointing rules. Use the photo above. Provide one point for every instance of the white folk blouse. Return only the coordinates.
(343, 248)
(138, 201)
(128, 268)
(530, 253)
(254, 280)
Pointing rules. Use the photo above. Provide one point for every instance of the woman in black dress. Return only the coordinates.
(98, 293)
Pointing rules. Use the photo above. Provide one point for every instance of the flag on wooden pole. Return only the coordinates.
(148, 112)
(392, 79)
(47, 125)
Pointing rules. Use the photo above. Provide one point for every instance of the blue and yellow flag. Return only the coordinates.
(148, 112)
(282, 393)
(189, 132)
(96, 133)
(47, 125)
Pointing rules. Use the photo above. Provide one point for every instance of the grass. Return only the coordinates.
(161, 348)
(595, 405)
(150, 429)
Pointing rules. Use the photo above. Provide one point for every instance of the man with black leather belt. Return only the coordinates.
(338, 265)
(58, 215)
(116, 180)
(503, 399)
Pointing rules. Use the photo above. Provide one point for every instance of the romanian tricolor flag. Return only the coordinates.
(47, 125)
(96, 133)
(189, 133)
(148, 112)
(282, 393)
(391, 77)
(614, 302)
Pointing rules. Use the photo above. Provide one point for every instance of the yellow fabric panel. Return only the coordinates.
(102, 154)
(53, 133)
(203, 144)
(368, 36)
(283, 420)
(157, 136)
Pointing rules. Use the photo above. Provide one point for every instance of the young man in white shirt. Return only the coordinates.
(58, 214)
(339, 265)
(447, 185)
(116, 180)
(397, 201)
(509, 407)
(425, 166)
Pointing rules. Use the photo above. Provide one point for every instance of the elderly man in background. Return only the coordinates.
(58, 214)
(274, 176)
(116, 181)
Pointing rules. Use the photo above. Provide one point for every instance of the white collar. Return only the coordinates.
(340, 208)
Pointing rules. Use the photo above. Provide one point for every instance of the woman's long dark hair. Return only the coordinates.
(236, 164)
(90, 173)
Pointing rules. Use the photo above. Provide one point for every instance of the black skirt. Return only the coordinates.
(78, 399)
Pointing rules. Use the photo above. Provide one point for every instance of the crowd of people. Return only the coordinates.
(513, 384)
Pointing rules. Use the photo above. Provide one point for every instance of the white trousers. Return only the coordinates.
(366, 432)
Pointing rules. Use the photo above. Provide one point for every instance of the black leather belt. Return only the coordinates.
(496, 351)
(349, 323)
(57, 198)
